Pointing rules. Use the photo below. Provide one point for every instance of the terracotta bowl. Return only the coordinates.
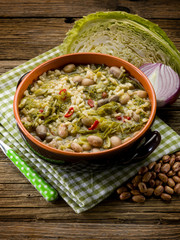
(126, 151)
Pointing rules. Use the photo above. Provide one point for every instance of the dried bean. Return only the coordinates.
(147, 176)
(151, 165)
(178, 173)
(165, 197)
(169, 190)
(166, 158)
(130, 186)
(125, 195)
(165, 168)
(158, 182)
(171, 173)
(149, 192)
(176, 167)
(143, 170)
(158, 190)
(142, 187)
(172, 161)
(136, 180)
(135, 192)
(177, 188)
(178, 158)
(122, 189)
(153, 175)
(152, 183)
(138, 198)
(171, 182)
(176, 179)
(157, 167)
(163, 177)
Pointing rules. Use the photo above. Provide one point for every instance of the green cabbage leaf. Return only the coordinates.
(124, 35)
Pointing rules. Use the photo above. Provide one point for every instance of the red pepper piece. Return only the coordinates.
(119, 118)
(94, 125)
(69, 112)
(63, 92)
(128, 118)
(41, 110)
(91, 103)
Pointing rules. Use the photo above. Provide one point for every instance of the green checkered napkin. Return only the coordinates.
(81, 185)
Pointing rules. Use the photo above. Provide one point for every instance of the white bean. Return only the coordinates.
(124, 99)
(115, 141)
(76, 147)
(141, 93)
(87, 121)
(95, 141)
(77, 79)
(87, 82)
(62, 131)
(116, 72)
(69, 68)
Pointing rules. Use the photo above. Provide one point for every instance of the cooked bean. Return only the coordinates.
(114, 98)
(53, 144)
(96, 150)
(102, 102)
(62, 131)
(141, 93)
(76, 147)
(115, 141)
(69, 68)
(136, 117)
(116, 72)
(87, 121)
(87, 82)
(41, 131)
(95, 141)
(49, 138)
(124, 99)
(77, 79)
(86, 147)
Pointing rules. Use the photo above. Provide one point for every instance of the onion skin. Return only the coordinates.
(165, 80)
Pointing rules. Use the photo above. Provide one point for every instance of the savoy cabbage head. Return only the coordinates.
(124, 35)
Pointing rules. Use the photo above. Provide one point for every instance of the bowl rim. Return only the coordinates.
(82, 154)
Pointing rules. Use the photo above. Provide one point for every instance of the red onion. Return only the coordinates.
(165, 81)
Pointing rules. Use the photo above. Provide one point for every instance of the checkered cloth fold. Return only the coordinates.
(81, 185)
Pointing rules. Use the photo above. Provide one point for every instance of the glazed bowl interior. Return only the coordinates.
(84, 58)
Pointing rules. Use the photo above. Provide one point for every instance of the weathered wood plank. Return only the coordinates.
(6, 65)
(56, 8)
(41, 231)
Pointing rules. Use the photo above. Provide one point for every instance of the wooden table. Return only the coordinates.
(27, 29)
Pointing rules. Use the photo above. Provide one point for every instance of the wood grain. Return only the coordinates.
(41, 231)
(76, 8)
